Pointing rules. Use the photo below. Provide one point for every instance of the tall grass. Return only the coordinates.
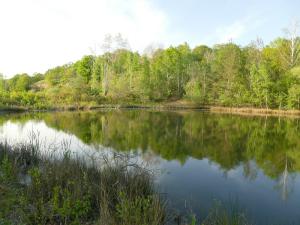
(221, 215)
(39, 188)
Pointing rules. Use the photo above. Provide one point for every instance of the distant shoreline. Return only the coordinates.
(251, 111)
(254, 111)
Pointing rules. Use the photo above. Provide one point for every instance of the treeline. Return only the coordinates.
(226, 74)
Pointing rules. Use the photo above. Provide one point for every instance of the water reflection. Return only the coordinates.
(250, 157)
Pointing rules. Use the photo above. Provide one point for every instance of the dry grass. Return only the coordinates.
(255, 111)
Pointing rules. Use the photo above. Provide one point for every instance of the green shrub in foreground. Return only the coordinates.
(47, 190)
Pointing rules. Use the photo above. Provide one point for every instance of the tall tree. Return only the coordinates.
(2, 85)
(110, 44)
(97, 71)
(84, 67)
(294, 89)
(230, 79)
(293, 43)
(200, 74)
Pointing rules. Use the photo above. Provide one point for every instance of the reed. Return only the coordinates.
(38, 188)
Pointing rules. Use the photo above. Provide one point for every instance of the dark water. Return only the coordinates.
(250, 162)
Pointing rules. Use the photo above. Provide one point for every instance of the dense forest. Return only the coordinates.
(224, 75)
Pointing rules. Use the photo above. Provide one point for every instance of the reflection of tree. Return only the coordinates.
(227, 140)
(285, 181)
(250, 170)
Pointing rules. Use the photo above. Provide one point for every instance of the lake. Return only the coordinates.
(248, 162)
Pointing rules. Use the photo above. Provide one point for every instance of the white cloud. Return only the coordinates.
(238, 29)
(231, 32)
(36, 35)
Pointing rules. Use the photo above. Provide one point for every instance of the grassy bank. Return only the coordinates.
(43, 189)
(12, 109)
(254, 111)
(167, 105)
(110, 104)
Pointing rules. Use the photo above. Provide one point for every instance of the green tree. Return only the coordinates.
(260, 86)
(96, 75)
(20, 82)
(84, 67)
(200, 79)
(294, 89)
(56, 75)
(2, 82)
(230, 80)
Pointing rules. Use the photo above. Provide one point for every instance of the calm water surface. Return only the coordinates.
(252, 163)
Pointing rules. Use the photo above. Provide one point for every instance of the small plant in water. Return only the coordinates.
(221, 215)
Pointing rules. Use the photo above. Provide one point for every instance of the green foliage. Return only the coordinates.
(194, 220)
(60, 74)
(220, 215)
(294, 96)
(68, 191)
(2, 83)
(193, 89)
(138, 211)
(226, 74)
(6, 168)
(20, 82)
(84, 67)
(97, 76)
(169, 71)
(68, 208)
(294, 89)
(230, 79)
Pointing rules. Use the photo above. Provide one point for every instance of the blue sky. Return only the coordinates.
(37, 35)
(214, 21)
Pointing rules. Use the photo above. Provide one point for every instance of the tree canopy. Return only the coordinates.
(225, 74)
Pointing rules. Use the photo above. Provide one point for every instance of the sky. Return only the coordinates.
(36, 35)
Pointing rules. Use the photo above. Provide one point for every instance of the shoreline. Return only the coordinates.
(249, 111)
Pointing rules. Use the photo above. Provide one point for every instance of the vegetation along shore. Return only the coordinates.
(164, 106)
(228, 75)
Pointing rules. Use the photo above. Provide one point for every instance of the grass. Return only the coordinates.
(255, 111)
(46, 189)
(220, 215)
